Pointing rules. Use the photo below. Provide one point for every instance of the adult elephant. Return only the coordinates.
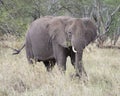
(53, 39)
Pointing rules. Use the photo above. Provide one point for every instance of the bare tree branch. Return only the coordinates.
(68, 9)
(116, 10)
(110, 21)
(107, 27)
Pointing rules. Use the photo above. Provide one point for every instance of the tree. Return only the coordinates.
(16, 15)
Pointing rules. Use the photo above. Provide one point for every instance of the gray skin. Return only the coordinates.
(53, 39)
(42, 35)
(38, 46)
(81, 33)
(78, 33)
(45, 41)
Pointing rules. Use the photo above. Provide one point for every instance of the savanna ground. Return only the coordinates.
(18, 78)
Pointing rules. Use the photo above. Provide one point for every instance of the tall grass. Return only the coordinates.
(18, 78)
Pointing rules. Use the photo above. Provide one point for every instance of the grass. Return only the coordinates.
(18, 78)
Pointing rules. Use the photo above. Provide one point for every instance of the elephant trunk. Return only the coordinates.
(78, 45)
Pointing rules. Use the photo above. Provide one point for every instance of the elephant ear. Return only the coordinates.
(51, 31)
(90, 30)
(69, 29)
(56, 29)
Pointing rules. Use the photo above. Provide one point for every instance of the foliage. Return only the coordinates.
(16, 15)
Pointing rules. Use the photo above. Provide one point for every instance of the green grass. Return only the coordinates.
(18, 78)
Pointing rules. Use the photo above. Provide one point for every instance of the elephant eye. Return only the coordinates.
(69, 34)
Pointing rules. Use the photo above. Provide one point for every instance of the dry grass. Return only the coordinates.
(18, 78)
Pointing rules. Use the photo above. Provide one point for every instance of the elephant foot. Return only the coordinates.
(30, 61)
(81, 76)
(74, 76)
(49, 69)
(82, 79)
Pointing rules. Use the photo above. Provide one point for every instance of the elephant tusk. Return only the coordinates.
(74, 49)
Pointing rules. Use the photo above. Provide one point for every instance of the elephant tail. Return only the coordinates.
(17, 51)
(29, 51)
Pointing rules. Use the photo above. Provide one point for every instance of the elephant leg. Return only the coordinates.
(52, 63)
(60, 56)
(79, 65)
(72, 57)
(49, 64)
(61, 61)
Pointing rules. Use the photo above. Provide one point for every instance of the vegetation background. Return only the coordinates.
(18, 78)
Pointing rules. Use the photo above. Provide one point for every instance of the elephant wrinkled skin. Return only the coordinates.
(83, 31)
(53, 39)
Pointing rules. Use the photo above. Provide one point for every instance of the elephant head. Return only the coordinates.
(75, 30)
(64, 33)
(80, 33)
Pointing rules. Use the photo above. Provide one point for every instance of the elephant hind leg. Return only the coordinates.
(49, 64)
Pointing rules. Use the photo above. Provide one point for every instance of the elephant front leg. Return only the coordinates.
(61, 61)
(60, 56)
(80, 71)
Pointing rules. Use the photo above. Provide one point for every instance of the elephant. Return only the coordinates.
(53, 39)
